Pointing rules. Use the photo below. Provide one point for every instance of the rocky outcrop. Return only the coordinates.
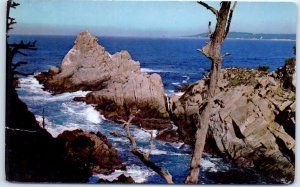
(252, 120)
(90, 150)
(168, 136)
(118, 86)
(121, 179)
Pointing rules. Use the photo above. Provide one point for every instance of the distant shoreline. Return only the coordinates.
(159, 37)
(254, 39)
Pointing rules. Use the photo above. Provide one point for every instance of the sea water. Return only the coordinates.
(178, 63)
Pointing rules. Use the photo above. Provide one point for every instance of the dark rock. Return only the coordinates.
(122, 179)
(94, 151)
(168, 136)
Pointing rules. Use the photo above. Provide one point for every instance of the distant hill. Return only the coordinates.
(247, 35)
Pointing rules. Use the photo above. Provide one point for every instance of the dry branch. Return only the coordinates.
(212, 9)
(144, 157)
(229, 19)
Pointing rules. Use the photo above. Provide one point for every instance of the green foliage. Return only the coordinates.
(262, 68)
(290, 62)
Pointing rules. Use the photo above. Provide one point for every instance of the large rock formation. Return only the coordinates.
(252, 120)
(118, 86)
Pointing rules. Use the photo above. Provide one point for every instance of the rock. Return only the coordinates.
(121, 179)
(54, 70)
(288, 74)
(168, 136)
(252, 120)
(91, 150)
(118, 86)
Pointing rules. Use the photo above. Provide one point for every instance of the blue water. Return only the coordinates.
(178, 62)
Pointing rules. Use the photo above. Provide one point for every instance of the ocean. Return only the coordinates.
(178, 62)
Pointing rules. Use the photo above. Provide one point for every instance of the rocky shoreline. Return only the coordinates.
(253, 119)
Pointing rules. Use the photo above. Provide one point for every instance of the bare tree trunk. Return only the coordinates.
(212, 51)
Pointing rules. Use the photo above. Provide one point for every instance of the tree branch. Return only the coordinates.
(229, 19)
(23, 74)
(14, 4)
(20, 52)
(15, 48)
(14, 66)
(212, 9)
(144, 157)
(150, 143)
(113, 133)
(209, 28)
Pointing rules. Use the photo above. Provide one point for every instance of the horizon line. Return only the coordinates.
(134, 36)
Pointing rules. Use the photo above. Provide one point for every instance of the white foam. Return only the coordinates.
(176, 145)
(141, 135)
(176, 83)
(208, 165)
(187, 78)
(179, 93)
(148, 70)
(82, 109)
(39, 119)
(37, 94)
(112, 176)
(154, 151)
(92, 115)
(138, 174)
(30, 83)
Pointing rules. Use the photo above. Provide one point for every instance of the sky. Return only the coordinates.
(137, 18)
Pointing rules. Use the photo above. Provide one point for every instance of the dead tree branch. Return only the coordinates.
(21, 73)
(144, 157)
(209, 29)
(147, 155)
(18, 64)
(229, 19)
(212, 9)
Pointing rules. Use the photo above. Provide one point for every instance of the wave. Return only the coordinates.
(138, 174)
(187, 78)
(208, 165)
(154, 151)
(37, 94)
(149, 70)
(177, 84)
(83, 110)
(142, 136)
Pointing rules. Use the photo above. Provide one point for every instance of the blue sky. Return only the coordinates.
(111, 18)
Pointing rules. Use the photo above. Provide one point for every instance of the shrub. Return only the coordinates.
(263, 68)
(290, 62)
